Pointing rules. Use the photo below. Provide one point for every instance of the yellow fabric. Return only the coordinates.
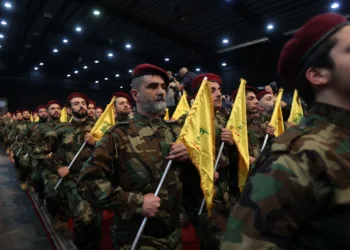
(36, 119)
(198, 135)
(106, 120)
(277, 117)
(64, 116)
(296, 112)
(182, 108)
(237, 123)
(31, 118)
(166, 117)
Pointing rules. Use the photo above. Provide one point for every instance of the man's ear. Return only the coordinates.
(318, 76)
(135, 95)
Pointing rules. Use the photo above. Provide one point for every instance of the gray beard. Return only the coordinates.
(155, 107)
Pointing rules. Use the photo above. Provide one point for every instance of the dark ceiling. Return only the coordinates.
(188, 32)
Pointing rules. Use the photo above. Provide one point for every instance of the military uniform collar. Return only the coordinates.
(121, 118)
(144, 120)
(337, 115)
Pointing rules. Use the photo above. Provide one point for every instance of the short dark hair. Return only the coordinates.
(320, 58)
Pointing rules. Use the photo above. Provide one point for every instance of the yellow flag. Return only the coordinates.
(36, 119)
(31, 118)
(182, 108)
(296, 112)
(64, 116)
(237, 123)
(277, 117)
(166, 117)
(198, 135)
(106, 120)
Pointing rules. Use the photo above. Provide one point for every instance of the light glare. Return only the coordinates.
(198, 69)
(96, 61)
(335, 5)
(3, 22)
(8, 5)
(97, 13)
(55, 50)
(270, 26)
(78, 29)
(117, 75)
(225, 41)
(85, 67)
(110, 54)
(76, 72)
(41, 64)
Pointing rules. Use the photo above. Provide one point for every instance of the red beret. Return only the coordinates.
(196, 82)
(261, 94)
(92, 102)
(18, 111)
(99, 107)
(122, 94)
(39, 107)
(78, 94)
(296, 51)
(53, 102)
(247, 89)
(28, 110)
(149, 69)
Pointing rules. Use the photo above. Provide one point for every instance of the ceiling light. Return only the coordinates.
(65, 40)
(78, 29)
(8, 5)
(270, 26)
(96, 81)
(85, 67)
(128, 46)
(97, 12)
(335, 6)
(0, 46)
(121, 87)
(225, 40)
(41, 64)
(167, 59)
(68, 75)
(4, 23)
(224, 64)
(55, 50)
(36, 68)
(117, 75)
(76, 72)
(130, 71)
(106, 79)
(198, 69)
(96, 61)
(1, 36)
(110, 54)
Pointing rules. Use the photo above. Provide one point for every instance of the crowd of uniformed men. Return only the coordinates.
(296, 195)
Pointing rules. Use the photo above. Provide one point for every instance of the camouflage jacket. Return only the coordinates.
(64, 142)
(256, 136)
(298, 192)
(128, 163)
(16, 136)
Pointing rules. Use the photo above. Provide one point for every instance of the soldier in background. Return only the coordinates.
(98, 111)
(210, 230)
(135, 153)
(297, 193)
(91, 110)
(122, 106)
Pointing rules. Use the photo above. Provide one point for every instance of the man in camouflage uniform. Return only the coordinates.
(298, 193)
(257, 127)
(24, 158)
(64, 142)
(127, 164)
(41, 162)
(122, 106)
(8, 129)
(91, 110)
(210, 230)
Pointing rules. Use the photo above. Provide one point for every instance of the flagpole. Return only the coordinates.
(142, 227)
(70, 165)
(216, 166)
(265, 141)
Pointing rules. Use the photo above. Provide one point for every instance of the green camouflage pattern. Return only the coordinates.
(16, 135)
(297, 195)
(126, 164)
(256, 136)
(64, 141)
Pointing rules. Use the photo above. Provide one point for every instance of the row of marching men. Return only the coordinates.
(121, 158)
(148, 170)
